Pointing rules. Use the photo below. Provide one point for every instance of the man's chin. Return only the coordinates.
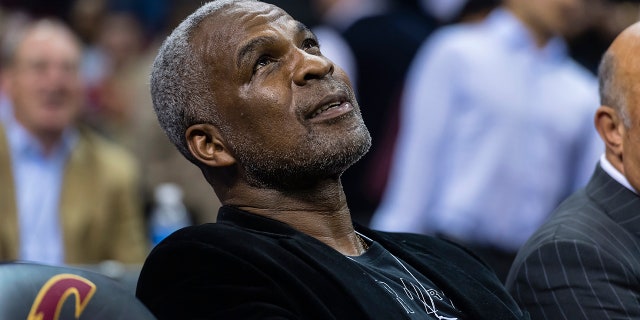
(306, 174)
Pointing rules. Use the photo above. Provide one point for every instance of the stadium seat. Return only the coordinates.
(42, 292)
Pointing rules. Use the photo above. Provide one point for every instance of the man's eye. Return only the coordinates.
(310, 44)
(262, 62)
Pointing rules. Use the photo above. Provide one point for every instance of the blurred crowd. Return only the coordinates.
(375, 41)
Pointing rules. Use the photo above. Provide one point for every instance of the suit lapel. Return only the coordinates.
(76, 200)
(9, 238)
(620, 203)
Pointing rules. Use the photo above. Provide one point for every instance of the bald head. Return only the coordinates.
(618, 70)
(618, 118)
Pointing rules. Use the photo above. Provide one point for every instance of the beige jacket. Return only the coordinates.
(100, 210)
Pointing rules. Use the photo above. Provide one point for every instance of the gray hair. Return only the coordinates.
(180, 93)
(612, 91)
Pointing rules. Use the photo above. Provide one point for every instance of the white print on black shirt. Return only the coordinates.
(413, 292)
(429, 308)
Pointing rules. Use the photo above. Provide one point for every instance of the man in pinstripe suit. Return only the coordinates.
(584, 262)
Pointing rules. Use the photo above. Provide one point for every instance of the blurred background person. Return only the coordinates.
(496, 130)
(69, 195)
(581, 263)
(383, 40)
(382, 36)
(119, 52)
(606, 19)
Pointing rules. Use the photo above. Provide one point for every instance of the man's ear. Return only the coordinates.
(207, 145)
(611, 129)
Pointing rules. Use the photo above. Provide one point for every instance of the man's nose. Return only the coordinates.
(60, 73)
(311, 66)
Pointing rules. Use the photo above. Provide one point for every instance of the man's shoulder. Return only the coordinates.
(578, 222)
(221, 238)
(575, 219)
(112, 158)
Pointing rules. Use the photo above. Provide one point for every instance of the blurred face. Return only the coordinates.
(287, 112)
(551, 18)
(43, 81)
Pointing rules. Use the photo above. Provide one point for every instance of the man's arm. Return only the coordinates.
(575, 280)
(428, 103)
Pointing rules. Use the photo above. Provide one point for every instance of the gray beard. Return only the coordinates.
(316, 159)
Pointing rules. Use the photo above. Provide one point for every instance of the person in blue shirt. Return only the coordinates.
(496, 129)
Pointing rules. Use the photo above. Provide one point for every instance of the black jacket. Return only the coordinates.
(250, 267)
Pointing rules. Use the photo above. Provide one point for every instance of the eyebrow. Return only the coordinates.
(302, 28)
(251, 46)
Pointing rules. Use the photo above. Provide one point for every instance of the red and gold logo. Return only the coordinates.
(55, 292)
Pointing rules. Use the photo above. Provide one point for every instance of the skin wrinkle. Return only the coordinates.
(264, 167)
(622, 140)
(594, 238)
(262, 153)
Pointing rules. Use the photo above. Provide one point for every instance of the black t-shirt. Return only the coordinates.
(419, 297)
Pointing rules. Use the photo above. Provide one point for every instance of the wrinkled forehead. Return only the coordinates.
(221, 33)
(251, 12)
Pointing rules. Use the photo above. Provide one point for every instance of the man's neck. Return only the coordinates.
(540, 36)
(48, 140)
(320, 212)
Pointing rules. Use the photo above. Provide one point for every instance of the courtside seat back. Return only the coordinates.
(41, 292)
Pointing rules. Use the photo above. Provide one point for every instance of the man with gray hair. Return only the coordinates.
(242, 89)
(584, 262)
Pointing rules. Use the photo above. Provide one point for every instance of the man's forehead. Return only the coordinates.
(238, 22)
(41, 37)
(242, 13)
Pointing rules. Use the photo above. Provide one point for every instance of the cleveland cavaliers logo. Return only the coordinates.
(55, 292)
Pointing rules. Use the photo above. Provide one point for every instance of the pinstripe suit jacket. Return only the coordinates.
(584, 262)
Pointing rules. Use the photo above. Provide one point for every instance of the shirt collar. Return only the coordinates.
(615, 174)
(22, 142)
(516, 34)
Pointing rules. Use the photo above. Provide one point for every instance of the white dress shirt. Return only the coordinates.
(38, 183)
(615, 174)
(495, 132)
